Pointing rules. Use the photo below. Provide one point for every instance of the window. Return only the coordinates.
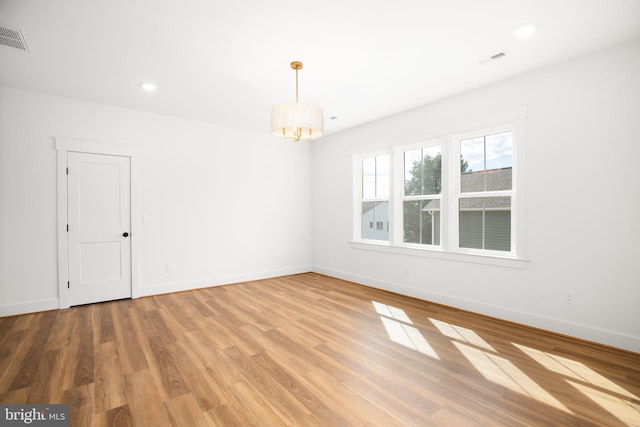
(422, 194)
(486, 189)
(374, 197)
(456, 194)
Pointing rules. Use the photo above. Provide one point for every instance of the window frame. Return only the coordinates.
(448, 137)
(457, 194)
(398, 158)
(359, 199)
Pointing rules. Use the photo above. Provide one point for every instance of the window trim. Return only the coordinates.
(494, 260)
(457, 194)
(446, 135)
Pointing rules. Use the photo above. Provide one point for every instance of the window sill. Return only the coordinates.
(439, 254)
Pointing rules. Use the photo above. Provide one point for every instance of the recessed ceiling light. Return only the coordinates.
(525, 30)
(149, 87)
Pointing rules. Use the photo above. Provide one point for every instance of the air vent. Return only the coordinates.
(12, 38)
(490, 58)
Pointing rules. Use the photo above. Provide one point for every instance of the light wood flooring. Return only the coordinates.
(308, 350)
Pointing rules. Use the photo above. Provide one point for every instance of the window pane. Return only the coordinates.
(499, 162)
(498, 179)
(375, 220)
(471, 229)
(411, 211)
(472, 165)
(375, 177)
(422, 221)
(382, 215)
(499, 148)
(432, 172)
(382, 177)
(436, 234)
(486, 163)
(485, 223)
(412, 172)
(497, 226)
(369, 178)
(368, 220)
(490, 180)
(472, 153)
(423, 171)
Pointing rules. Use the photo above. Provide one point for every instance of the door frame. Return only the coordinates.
(63, 146)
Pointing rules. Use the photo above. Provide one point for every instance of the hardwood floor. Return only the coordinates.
(308, 350)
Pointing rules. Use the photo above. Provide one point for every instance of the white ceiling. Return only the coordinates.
(227, 62)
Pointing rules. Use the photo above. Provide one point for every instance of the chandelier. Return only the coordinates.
(296, 120)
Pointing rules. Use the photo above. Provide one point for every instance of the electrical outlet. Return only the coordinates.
(169, 268)
(570, 297)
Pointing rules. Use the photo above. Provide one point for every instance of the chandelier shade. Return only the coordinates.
(296, 120)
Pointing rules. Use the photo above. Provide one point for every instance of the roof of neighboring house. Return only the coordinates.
(471, 182)
(496, 180)
(474, 203)
(477, 203)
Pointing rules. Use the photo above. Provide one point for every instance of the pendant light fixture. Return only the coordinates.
(296, 120)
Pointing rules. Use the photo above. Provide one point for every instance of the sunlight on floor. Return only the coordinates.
(503, 372)
(408, 336)
(499, 370)
(573, 369)
(624, 411)
(392, 312)
(598, 388)
(462, 334)
(397, 324)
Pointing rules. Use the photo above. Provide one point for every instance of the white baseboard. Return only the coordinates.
(29, 307)
(589, 333)
(53, 303)
(165, 288)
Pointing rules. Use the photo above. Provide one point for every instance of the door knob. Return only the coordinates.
(125, 234)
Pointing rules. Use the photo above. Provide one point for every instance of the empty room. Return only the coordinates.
(336, 213)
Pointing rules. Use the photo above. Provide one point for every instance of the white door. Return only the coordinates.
(99, 218)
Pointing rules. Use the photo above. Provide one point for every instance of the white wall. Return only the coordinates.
(224, 204)
(582, 197)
